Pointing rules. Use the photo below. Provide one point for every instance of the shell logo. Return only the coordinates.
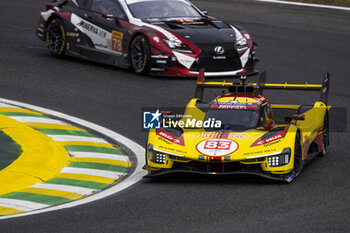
(217, 147)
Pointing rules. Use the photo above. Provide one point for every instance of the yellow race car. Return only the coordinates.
(238, 132)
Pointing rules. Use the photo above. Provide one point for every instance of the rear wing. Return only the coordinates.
(261, 85)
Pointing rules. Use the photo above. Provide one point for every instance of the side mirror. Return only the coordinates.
(205, 13)
(299, 117)
(109, 16)
(287, 120)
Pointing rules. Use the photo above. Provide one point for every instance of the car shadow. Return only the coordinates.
(210, 179)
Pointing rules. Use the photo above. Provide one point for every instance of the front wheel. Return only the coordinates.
(140, 54)
(298, 156)
(56, 37)
(325, 135)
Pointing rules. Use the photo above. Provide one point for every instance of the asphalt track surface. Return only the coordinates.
(296, 44)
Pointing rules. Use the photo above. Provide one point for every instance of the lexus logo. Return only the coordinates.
(219, 50)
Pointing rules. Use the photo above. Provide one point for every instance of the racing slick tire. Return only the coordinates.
(298, 156)
(56, 37)
(325, 135)
(140, 54)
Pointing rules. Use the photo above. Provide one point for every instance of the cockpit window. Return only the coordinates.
(235, 119)
(85, 4)
(108, 7)
(162, 9)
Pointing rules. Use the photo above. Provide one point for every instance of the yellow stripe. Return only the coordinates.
(4, 109)
(53, 126)
(99, 179)
(33, 165)
(285, 106)
(226, 84)
(6, 211)
(306, 85)
(107, 145)
(56, 193)
(106, 161)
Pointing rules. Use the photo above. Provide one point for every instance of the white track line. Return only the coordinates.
(72, 138)
(93, 172)
(26, 119)
(20, 204)
(2, 105)
(76, 154)
(307, 4)
(66, 188)
(133, 178)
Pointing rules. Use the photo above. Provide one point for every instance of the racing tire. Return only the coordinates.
(325, 135)
(56, 38)
(140, 54)
(298, 156)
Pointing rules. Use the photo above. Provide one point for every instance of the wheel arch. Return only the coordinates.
(133, 36)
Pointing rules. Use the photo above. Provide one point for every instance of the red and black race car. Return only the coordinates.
(159, 37)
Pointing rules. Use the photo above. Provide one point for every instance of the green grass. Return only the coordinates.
(345, 3)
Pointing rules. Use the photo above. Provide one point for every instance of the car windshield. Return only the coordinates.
(161, 9)
(234, 119)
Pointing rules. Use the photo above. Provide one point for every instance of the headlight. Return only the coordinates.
(155, 156)
(241, 41)
(160, 158)
(281, 159)
(176, 45)
(173, 44)
(150, 152)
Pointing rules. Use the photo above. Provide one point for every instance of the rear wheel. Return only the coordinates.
(140, 54)
(56, 37)
(325, 135)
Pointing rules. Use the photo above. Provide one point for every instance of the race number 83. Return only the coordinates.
(217, 147)
(220, 145)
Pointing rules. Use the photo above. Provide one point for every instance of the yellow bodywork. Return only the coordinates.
(242, 151)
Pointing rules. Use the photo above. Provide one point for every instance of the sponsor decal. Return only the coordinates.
(233, 105)
(274, 138)
(184, 20)
(272, 143)
(159, 56)
(172, 150)
(91, 28)
(237, 136)
(219, 50)
(260, 152)
(163, 140)
(217, 147)
(219, 57)
(223, 135)
(206, 135)
(117, 41)
(164, 134)
(161, 61)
